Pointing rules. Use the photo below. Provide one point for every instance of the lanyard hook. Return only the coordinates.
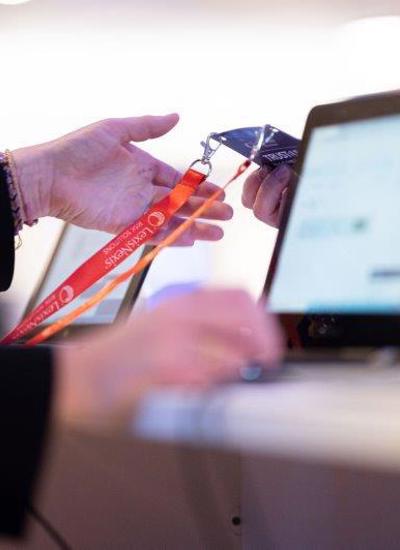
(213, 143)
(211, 146)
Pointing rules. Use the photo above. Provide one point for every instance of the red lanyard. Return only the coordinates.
(111, 255)
(122, 246)
(137, 268)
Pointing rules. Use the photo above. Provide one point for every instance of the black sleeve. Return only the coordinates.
(25, 390)
(6, 235)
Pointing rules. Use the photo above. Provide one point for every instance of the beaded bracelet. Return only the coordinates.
(17, 204)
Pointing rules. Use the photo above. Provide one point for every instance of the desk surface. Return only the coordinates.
(342, 414)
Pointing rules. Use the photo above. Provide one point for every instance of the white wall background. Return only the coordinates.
(64, 69)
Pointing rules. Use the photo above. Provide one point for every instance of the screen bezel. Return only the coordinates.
(77, 329)
(327, 330)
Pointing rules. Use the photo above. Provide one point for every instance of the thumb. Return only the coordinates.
(145, 127)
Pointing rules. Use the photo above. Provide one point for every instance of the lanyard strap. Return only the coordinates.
(111, 255)
(137, 268)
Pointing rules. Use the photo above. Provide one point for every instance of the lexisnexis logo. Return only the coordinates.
(156, 219)
(66, 294)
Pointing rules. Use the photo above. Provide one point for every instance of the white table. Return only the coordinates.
(319, 454)
(308, 462)
(346, 414)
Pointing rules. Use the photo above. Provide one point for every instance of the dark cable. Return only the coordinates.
(57, 538)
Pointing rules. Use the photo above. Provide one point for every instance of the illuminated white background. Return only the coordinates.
(67, 63)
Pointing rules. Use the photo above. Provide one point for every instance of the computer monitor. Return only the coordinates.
(334, 279)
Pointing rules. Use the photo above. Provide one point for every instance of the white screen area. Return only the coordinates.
(341, 251)
(176, 271)
(77, 246)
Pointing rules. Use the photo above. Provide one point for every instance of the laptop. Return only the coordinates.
(334, 278)
(75, 246)
(178, 270)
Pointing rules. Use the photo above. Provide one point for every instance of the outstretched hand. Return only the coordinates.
(98, 179)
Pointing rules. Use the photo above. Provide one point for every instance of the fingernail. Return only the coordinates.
(217, 233)
(283, 173)
(228, 212)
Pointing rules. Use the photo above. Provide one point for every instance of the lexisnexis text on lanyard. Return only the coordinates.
(134, 236)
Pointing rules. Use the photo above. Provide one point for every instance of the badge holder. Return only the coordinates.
(280, 148)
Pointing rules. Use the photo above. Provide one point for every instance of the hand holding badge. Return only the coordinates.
(263, 145)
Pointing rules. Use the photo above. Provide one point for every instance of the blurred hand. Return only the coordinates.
(96, 178)
(195, 340)
(265, 191)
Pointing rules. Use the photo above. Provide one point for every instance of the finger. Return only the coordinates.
(163, 173)
(217, 211)
(202, 361)
(282, 206)
(231, 319)
(207, 189)
(199, 231)
(252, 185)
(269, 194)
(202, 376)
(274, 219)
(166, 175)
(252, 336)
(142, 128)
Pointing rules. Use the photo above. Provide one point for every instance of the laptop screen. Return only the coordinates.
(340, 252)
(76, 246)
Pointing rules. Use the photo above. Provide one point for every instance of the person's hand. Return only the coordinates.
(195, 341)
(265, 191)
(96, 178)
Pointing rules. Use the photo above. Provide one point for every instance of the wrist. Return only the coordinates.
(69, 390)
(80, 402)
(94, 389)
(34, 176)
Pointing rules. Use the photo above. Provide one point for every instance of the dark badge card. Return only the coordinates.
(280, 149)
